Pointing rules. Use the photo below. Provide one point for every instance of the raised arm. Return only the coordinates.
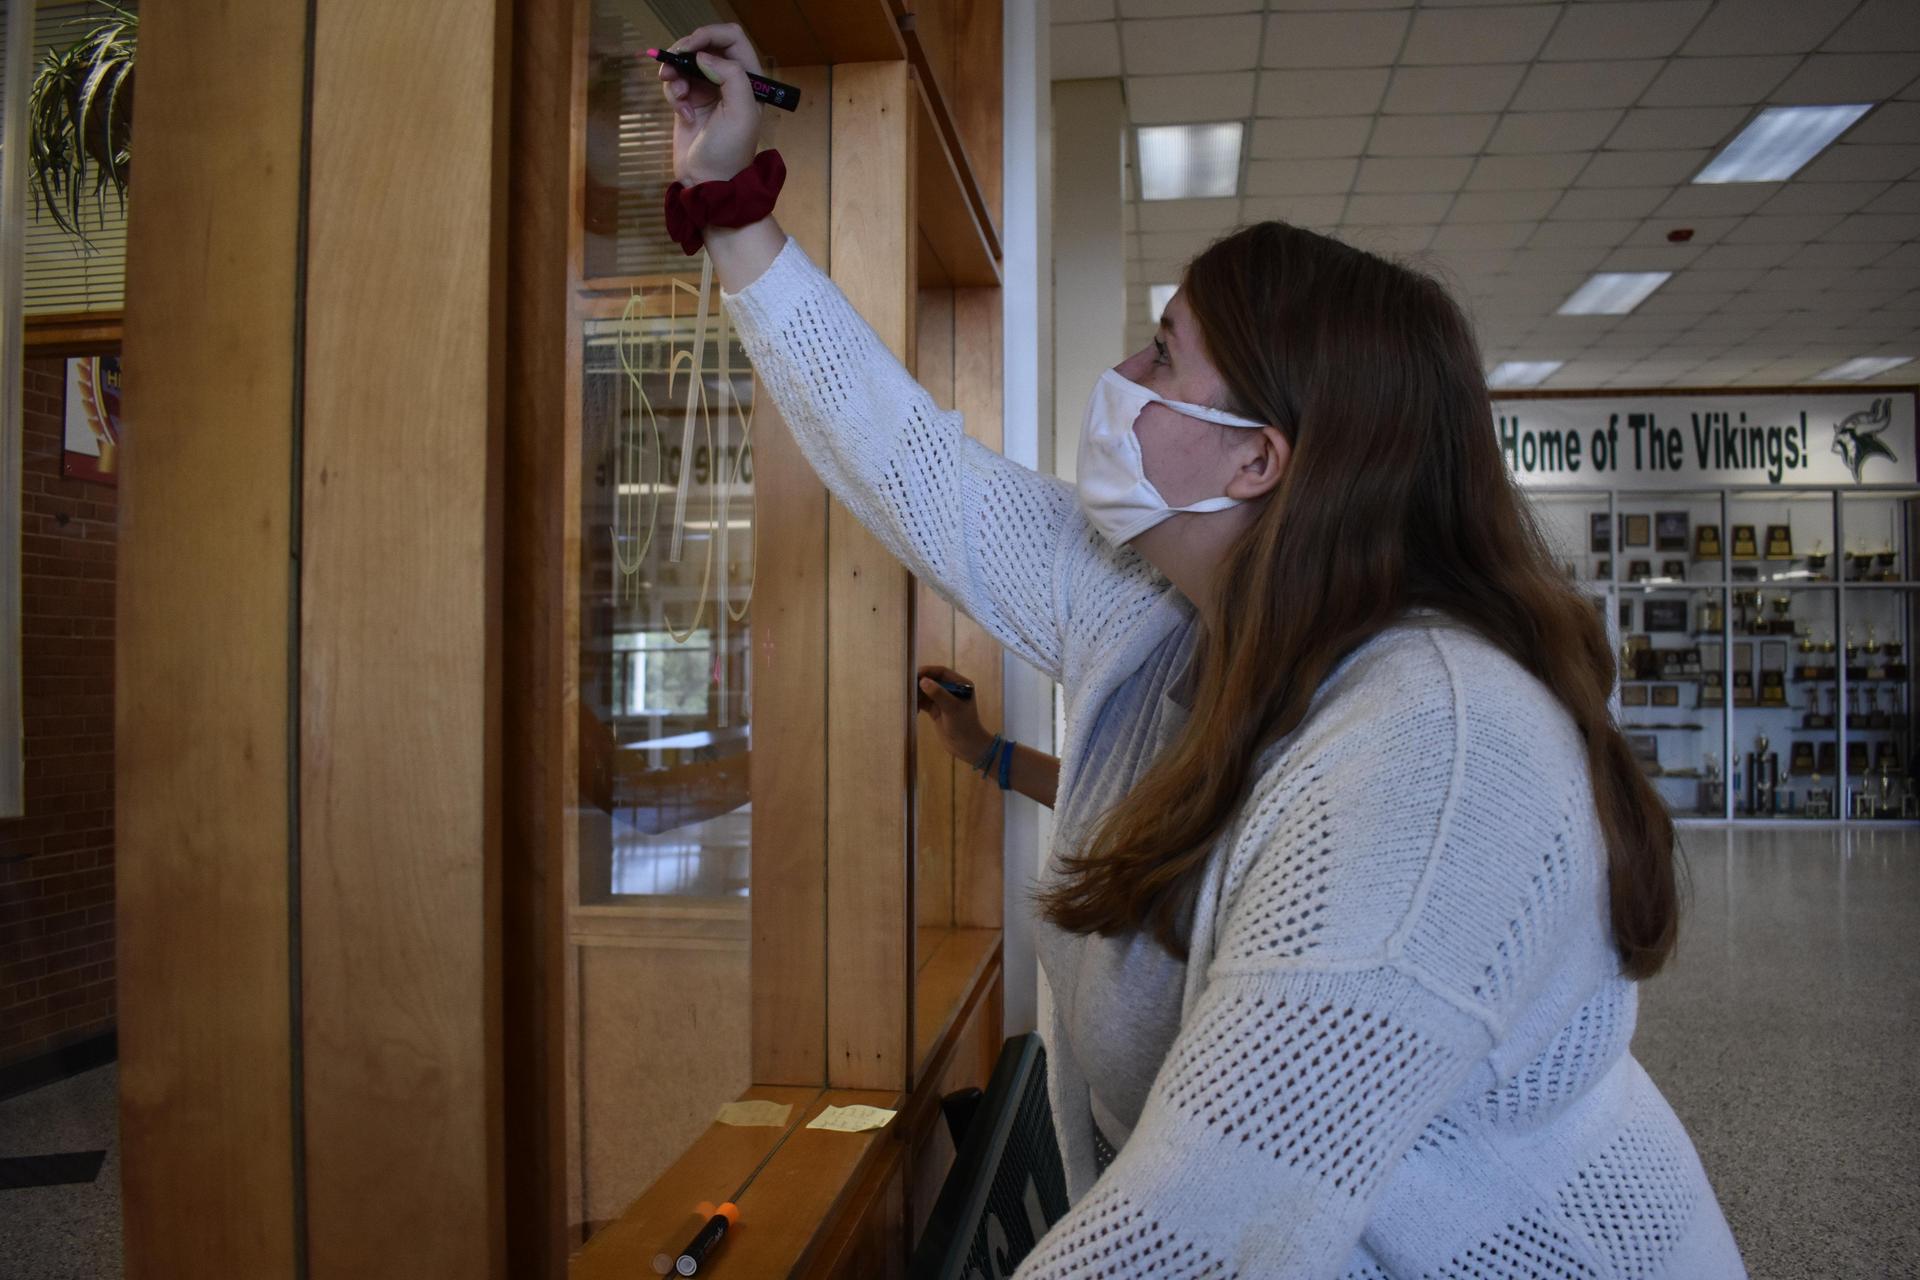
(987, 533)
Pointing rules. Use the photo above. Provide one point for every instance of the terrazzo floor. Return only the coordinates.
(1785, 1034)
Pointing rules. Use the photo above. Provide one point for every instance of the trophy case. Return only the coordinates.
(1763, 639)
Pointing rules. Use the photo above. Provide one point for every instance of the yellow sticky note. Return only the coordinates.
(854, 1119)
(756, 1112)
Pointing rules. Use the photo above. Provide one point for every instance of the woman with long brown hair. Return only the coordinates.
(1354, 874)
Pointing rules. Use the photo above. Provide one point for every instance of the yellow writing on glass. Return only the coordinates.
(642, 477)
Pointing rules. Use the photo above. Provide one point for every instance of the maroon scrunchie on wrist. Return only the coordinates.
(744, 198)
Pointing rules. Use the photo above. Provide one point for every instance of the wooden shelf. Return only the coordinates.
(958, 243)
(951, 963)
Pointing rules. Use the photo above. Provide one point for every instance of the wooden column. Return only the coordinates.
(204, 596)
(309, 658)
(870, 704)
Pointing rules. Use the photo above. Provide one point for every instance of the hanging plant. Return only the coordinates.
(80, 120)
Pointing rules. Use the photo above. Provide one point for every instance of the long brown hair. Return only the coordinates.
(1396, 496)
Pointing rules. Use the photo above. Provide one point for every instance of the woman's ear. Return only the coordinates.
(1262, 458)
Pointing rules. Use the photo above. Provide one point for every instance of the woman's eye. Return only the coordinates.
(1160, 347)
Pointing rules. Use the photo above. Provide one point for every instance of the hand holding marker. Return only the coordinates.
(784, 96)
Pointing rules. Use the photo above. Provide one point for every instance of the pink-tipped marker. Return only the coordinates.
(784, 96)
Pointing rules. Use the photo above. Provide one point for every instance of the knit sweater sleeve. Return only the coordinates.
(1330, 1030)
(987, 533)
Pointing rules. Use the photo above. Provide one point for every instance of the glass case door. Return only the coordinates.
(661, 865)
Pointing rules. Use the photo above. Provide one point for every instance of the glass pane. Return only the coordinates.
(1672, 692)
(629, 139)
(1880, 531)
(1879, 702)
(1575, 526)
(1670, 537)
(1780, 535)
(1786, 728)
(658, 929)
(666, 516)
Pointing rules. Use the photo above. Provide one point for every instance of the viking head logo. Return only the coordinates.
(1857, 438)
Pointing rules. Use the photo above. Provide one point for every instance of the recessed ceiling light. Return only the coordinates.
(1158, 296)
(1189, 161)
(1613, 293)
(1522, 373)
(1778, 141)
(1862, 368)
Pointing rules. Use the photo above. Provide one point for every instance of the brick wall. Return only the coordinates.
(56, 863)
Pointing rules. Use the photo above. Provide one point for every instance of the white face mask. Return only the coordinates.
(1114, 490)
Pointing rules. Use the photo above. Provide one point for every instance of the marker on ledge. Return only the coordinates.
(784, 96)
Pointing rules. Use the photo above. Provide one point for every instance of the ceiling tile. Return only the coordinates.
(1468, 264)
(1501, 206)
(1901, 198)
(1444, 173)
(1896, 228)
(1367, 39)
(1086, 50)
(1296, 139)
(1182, 215)
(1443, 135)
(1604, 232)
(1524, 173)
(1643, 168)
(1531, 132)
(1452, 89)
(1671, 127)
(1800, 280)
(1302, 211)
(1299, 177)
(1155, 46)
(1279, 6)
(1690, 82)
(1838, 255)
(1389, 241)
(1321, 93)
(1891, 122)
(1227, 95)
(1879, 25)
(1717, 199)
(1800, 196)
(1705, 230)
(1652, 257)
(1571, 86)
(1615, 202)
(1174, 245)
(1845, 162)
(1640, 29)
(1760, 257)
(1766, 26)
(1377, 210)
(1848, 77)
(1700, 278)
(1065, 11)
(1498, 34)
(1795, 229)
(1482, 235)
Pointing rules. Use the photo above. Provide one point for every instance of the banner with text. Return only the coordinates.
(1680, 442)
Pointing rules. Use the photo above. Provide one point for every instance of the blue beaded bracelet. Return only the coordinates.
(1006, 765)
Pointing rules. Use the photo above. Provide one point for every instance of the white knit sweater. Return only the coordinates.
(1403, 1036)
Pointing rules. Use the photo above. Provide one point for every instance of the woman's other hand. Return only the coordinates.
(716, 127)
(956, 720)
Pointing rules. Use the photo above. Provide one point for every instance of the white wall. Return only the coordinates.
(1027, 390)
(1089, 250)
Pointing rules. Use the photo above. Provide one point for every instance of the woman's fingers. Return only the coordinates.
(723, 38)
